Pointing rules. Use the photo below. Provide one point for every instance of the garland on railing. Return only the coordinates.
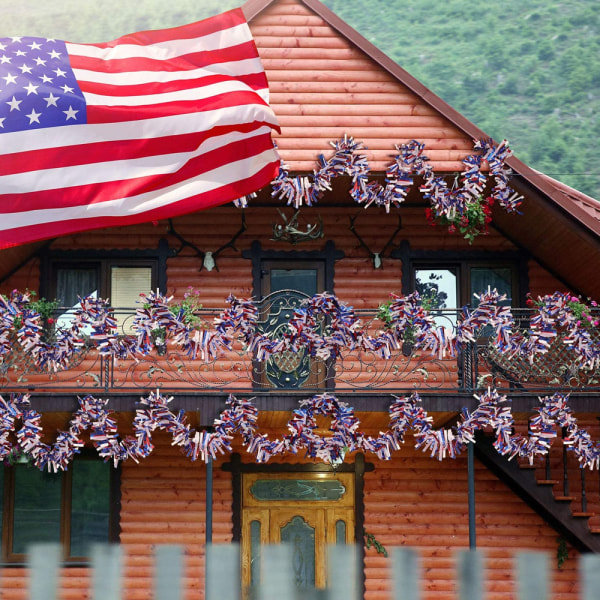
(240, 417)
(410, 161)
(344, 331)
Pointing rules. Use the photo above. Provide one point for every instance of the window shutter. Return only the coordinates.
(126, 284)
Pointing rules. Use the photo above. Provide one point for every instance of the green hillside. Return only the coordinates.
(526, 70)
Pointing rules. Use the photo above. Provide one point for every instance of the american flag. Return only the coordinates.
(150, 126)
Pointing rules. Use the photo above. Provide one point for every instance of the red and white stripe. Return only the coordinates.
(178, 121)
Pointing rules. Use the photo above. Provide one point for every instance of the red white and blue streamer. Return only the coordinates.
(407, 417)
(554, 315)
(409, 162)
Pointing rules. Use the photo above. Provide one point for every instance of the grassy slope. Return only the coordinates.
(527, 70)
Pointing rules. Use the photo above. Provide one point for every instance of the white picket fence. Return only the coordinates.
(223, 581)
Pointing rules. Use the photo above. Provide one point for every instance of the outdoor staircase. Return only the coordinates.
(566, 511)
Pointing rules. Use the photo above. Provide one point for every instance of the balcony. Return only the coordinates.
(164, 365)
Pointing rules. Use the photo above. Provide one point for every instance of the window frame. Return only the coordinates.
(7, 533)
(288, 264)
(463, 273)
(517, 260)
(323, 260)
(268, 265)
(157, 257)
(104, 266)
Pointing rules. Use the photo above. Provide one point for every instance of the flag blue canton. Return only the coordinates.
(38, 88)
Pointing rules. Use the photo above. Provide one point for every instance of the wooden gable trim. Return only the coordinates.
(556, 192)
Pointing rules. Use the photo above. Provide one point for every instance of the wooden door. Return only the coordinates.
(307, 511)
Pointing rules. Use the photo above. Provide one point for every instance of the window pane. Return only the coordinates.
(484, 277)
(300, 280)
(301, 537)
(74, 282)
(299, 490)
(90, 505)
(37, 507)
(255, 552)
(71, 284)
(340, 532)
(126, 285)
(288, 369)
(438, 289)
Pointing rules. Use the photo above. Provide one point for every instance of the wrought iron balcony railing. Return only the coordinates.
(479, 364)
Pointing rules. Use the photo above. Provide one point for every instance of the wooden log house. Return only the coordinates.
(326, 82)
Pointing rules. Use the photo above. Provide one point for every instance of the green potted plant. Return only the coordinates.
(473, 221)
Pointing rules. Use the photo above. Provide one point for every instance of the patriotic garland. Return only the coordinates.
(343, 332)
(240, 417)
(410, 161)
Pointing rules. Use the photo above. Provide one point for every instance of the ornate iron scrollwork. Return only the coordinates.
(479, 365)
(286, 369)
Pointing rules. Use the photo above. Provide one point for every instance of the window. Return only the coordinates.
(453, 285)
(120, 281)
(307, 273)
(306, 277)
(74, 508)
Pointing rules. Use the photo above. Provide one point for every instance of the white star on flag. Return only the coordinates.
(51, 100)
(14, 104)
(31, 89)
(33, 117)
(70, 113)
(10, 79)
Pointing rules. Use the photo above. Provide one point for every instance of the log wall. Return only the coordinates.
(323, 87)
(356, 282)
(416, 501)
(412, 500)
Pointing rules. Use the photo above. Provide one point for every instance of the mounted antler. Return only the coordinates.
(290, 232)
(208, 258)
(375, 256)
(229, 244)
